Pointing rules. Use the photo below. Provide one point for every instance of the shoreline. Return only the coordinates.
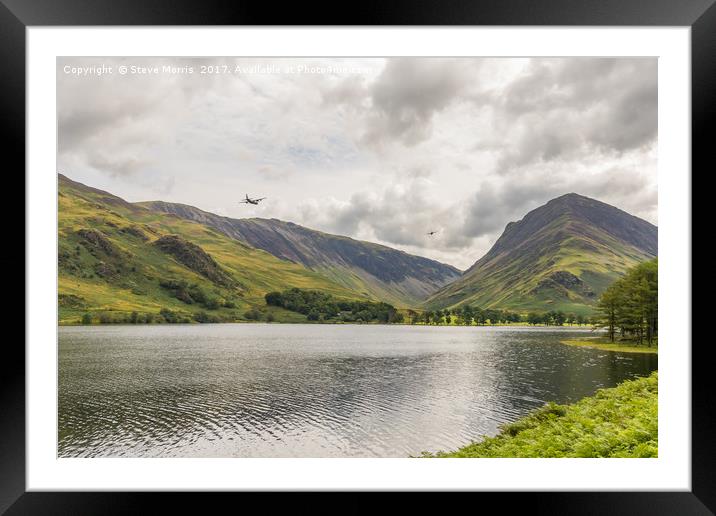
(605, 345)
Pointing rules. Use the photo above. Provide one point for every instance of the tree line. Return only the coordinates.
(165, 315)
(467, 315)
(629, 307)
(319, 306)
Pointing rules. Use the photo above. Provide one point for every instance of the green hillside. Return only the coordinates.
(560, 256)
(116, 258)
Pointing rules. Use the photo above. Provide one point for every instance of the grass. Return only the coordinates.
(617, 422)
(606, 345)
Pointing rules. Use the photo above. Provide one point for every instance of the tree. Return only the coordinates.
(87, 319)
(630, 304)
(467, 315)
(274, 299)
(559, 318)
(607, 307)
(413, 316)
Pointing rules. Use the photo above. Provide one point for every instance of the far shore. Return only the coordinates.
(606, 345)
(518, 324)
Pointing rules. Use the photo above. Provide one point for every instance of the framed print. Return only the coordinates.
(420, 253)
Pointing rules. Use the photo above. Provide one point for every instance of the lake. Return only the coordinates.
(285, 390)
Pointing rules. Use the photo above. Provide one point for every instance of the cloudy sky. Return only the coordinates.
(377, 149)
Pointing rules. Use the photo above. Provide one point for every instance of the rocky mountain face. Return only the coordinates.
(379, 271)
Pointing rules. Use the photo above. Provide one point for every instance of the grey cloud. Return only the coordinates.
(360, 210)
(491, 208)
(626, 188)
(116, 165)
(401, 215)
(631, 122)
(560, 109)
(112, 123)
(408, 93)
(350, 91)
(538, 138)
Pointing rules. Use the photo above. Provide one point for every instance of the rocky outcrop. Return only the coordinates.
(195, 258)
(97, 242)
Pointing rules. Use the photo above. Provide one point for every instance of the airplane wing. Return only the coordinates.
(260, 199)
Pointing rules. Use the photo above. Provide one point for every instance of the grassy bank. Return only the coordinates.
(617, 422)
(604, 344)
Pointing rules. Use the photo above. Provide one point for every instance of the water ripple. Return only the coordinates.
(311, 391)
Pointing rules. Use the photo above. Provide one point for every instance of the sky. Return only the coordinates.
(383, 150)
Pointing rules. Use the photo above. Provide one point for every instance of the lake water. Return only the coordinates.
(279, 390)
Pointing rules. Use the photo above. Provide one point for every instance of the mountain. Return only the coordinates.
(116, 257)
(560, 256)
(374, 270)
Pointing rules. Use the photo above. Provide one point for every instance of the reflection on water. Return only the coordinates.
(258, 390)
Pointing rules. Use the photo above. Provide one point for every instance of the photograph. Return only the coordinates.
(357, 257)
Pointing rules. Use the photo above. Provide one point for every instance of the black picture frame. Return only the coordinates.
(17, 15)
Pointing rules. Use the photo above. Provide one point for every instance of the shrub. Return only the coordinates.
(252, 315)
(87, 319)
(212, 304)
(168, 315)
(201, 317)
(274, 299)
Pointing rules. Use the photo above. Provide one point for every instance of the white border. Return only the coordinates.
(670, 471)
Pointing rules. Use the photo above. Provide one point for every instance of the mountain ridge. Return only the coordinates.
(560, 255)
